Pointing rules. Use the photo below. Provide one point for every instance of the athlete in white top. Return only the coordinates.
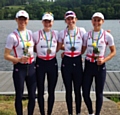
(46, 43)
(46, 63)
(95, 43)
(71, 68)
(21, 42)
(72, 38)
(17, 41)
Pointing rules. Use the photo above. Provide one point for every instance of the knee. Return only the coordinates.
(85, 94)
(99, 95)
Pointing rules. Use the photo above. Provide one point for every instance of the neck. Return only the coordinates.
(46, 30)
(97, 29)
(21, 29)
(71, 27)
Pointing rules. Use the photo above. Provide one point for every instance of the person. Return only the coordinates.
(71, 67)
(95, 43)
(46, 63)
(21, 42)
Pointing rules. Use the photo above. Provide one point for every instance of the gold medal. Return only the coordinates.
(73, 49)
(48, 51)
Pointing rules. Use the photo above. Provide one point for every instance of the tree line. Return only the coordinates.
(83, 8)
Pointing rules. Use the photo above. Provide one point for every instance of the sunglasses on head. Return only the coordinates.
(69, 14)
(49, 13)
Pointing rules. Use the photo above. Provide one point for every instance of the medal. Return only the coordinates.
(48, 51)
(48, 45)
(73, 49)
(72, 42)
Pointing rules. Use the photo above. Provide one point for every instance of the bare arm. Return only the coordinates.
(60, 46)
(9, 57)
(83, 49)
(111, 55)
(13, 59)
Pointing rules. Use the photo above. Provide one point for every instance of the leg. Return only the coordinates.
(77, 82)
(52, 80)
(31, 86)
(40, 74)
(67, 79)
(86, 86)
(18, 79)
(100, 81)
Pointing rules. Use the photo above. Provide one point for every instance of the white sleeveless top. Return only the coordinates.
(104, 40)
(14, 42)
(65, 39)
(42, 46)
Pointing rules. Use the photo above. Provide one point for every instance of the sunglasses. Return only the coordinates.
(49, 13)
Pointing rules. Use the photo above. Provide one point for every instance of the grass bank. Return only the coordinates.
(115, 98)
(7, 105)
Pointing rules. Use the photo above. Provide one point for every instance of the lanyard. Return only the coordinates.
(97, 38)
(22, 38)
(72, 45)
(47, 39)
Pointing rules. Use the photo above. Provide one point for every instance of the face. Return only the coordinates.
(22, 22)
(97, 23)
(71, 21)
(47, 24)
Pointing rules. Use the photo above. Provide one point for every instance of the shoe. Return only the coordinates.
(78, 114)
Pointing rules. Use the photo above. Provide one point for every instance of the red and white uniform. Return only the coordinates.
(104, 40)
(14, 42)
(42, 46)
(65, 39)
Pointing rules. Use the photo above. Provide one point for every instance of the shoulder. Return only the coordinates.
(107, 34)
(55, 31)
(12, 35)
(86, 34)
(30, 32)
(36, 33)
(62, 32)
(82, 30)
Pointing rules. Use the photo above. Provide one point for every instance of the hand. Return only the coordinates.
(24, 59)
(109, 31)
(100, 61)
(62, 54)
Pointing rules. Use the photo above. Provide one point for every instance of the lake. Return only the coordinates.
(7, 26)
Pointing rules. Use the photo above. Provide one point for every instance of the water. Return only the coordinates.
(7, 26)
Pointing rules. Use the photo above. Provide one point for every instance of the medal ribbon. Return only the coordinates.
(49, 46)
(22, 38)
(97, 38)
(72, 45)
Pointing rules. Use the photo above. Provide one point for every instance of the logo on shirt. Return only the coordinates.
(54, 41)
(102, 42)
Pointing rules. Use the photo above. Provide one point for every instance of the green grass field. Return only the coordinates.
(7, 105)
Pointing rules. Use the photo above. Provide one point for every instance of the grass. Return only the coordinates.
(115, 98)
(7, 105)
